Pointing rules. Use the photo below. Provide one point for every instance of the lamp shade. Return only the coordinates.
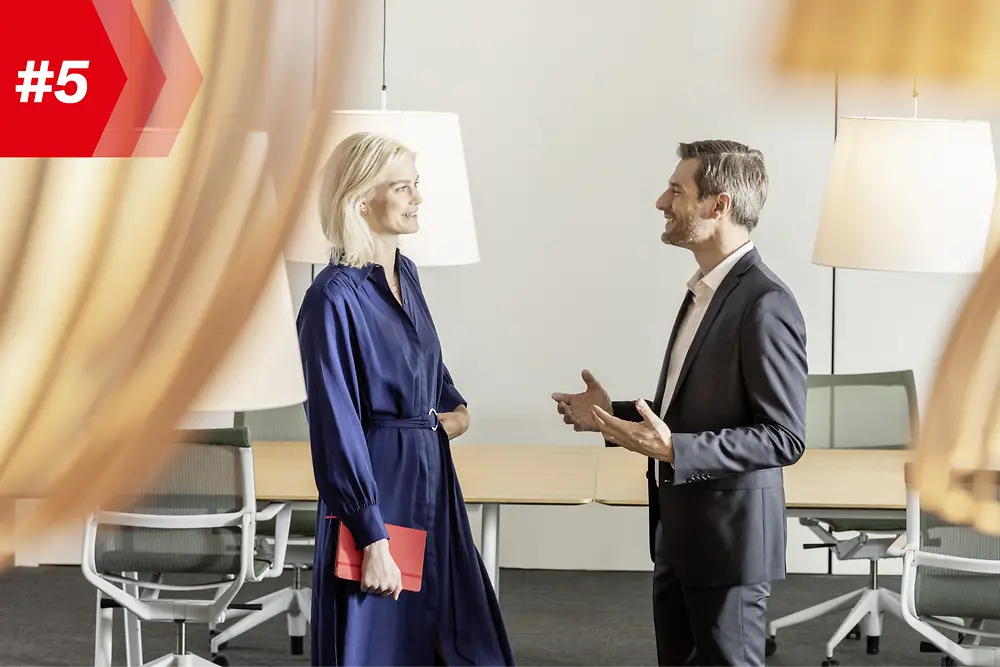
(262, 369)
(447, 234)
(908, 195)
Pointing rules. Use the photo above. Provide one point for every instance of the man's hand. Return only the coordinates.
(649, 438)
(455, 423)
(578, 409)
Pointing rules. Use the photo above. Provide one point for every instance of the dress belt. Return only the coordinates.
(430, 420)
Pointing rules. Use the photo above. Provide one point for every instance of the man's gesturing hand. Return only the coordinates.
(650, 438)
(578, 409)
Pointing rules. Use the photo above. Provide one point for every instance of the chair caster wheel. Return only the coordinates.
(220, 660)
(297, 645)
(830, 662)
(770, 646)
(855, 632)
(948, 661)
(872, 646)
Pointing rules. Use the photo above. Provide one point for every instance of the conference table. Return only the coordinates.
(489, 475)
(833, 483)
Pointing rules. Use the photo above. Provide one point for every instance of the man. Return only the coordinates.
(729, 412)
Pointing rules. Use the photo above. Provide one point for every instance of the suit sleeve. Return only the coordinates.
(774, 367)
(341, 462)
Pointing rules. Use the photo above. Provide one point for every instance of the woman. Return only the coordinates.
(381, 408)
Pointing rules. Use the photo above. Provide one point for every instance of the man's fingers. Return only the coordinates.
(623, 434)
(560, 397)
(604, 415)
(589, 379)
(645, 411)
(606, 421)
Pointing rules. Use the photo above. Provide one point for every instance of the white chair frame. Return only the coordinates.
(124, 591)
(933, 628)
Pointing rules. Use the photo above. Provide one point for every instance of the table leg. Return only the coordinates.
(491, 542)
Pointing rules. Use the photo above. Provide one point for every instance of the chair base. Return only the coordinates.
(867, 611)
(184, 660)
(294, 602)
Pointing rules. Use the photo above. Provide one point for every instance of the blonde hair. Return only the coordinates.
(350, 175)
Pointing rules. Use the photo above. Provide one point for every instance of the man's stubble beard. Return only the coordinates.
(682, 232)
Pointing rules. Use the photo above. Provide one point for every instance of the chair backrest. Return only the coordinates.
(208, 475)
(942, 591)
(861, 411)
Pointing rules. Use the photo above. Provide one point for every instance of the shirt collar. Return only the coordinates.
(715, 277)
(360, 275)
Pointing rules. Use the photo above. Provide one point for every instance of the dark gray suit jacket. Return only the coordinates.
(738, 416)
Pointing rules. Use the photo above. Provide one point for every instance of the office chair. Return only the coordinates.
(860, 411)
(294, 601)
(196, 518)
(950, 573)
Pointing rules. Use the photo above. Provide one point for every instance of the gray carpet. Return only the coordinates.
(554, 618)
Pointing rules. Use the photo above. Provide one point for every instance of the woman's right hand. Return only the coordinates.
(379, 573)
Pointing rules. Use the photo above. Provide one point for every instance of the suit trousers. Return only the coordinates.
(719, 625)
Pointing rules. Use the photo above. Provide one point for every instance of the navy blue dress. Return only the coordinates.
(374, 373)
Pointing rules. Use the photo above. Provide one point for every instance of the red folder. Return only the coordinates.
(406, 546)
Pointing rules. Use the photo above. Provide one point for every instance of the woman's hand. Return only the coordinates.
(455, 423)
(379, 572)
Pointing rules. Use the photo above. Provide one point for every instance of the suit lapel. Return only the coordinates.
(728, 284)
(661, 384)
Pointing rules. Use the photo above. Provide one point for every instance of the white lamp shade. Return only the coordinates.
(908, 195)
(447, 234)
(263, 368)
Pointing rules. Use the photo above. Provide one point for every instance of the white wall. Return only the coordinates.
(571, 114)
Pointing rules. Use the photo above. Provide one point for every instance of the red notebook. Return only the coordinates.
(406, 546)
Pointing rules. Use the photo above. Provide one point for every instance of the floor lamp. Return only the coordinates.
(907, 195)
(904, 195)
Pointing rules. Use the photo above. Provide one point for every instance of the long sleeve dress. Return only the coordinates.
(374, 373)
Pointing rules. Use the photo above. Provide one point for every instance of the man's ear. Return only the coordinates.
(723, 205)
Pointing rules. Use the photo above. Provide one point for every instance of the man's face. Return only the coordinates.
(689, 221)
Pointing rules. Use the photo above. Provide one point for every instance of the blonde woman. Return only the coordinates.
(382, 408)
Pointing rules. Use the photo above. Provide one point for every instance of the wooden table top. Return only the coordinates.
(507, 474)
(527, 474)
(822, 478)
(580, 474)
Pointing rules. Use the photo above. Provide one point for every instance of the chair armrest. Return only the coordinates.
(282, 513)
(270, 511)
(898, 547)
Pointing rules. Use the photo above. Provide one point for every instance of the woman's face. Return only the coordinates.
(392, 208)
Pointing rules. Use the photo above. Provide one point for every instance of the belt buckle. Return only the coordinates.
(437, 421)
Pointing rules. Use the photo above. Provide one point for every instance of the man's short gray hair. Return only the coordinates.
(733, 168)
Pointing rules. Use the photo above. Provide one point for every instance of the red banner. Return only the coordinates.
(93, 78)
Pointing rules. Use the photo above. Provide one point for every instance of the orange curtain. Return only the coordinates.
(124, 281)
